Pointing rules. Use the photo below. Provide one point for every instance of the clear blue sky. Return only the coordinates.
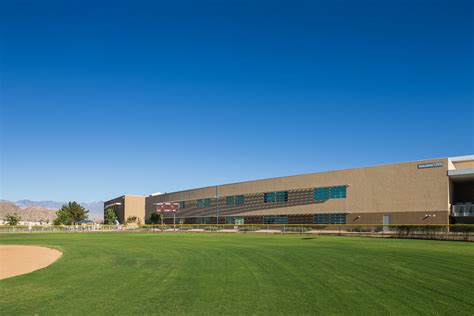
(104, 98)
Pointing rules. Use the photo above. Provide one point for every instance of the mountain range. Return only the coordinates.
(43, 210)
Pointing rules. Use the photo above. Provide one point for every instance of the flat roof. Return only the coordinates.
(305, 174)
(461, 174)
(461, 158)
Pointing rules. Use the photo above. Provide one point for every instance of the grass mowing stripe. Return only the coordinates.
(130, 273)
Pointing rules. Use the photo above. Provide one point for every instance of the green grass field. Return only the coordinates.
(185, 273)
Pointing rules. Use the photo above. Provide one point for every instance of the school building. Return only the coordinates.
(434, 191)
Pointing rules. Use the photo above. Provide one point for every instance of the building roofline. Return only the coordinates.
(461, 158)
(303, 174)
(122, 196)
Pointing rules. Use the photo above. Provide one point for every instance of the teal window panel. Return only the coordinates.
(239, 199)
(321, 194)
(269, 197)
(202, 203)
(273, 197)
(234, 200)
(230, 200)
(332, 218)
(275, 219)
(339, 192)
(281, 196)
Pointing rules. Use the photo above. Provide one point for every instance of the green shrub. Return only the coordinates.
(12, 219)
(155, 218)
(360, 229)
(131, 219)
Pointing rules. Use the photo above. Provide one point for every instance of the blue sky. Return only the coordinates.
(104, 98)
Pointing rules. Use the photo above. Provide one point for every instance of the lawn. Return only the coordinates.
(189, 273)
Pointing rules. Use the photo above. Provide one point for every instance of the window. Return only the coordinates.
(275, 219)
(275, 197)
(203, 220)
(269, 197)
(338, 192)
(230, 200)
(202, 203)
(182, 205)
(234, 220)
(321, 194)
(234, 200)
(239, 199)
(332, 218)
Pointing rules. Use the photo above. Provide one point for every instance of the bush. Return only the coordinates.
(110, 217)
(70, 213)
(360, 229)
(12, 219)
(131, 219)
(155, 218)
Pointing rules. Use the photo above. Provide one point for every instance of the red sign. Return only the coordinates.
(167, 207)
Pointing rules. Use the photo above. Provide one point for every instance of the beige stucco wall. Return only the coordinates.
(135, 206)
(394, 188)
(131, 206)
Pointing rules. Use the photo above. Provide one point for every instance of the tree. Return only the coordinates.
(62, 217)
(110, 217)
(131, 219)
(12, 219)
(70, 213)
(155, 218)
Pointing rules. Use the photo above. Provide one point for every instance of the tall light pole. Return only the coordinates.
(217, 204)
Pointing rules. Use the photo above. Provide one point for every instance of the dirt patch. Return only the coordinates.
(16, 260)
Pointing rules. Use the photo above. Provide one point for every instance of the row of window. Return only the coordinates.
(275, 219)
(323, 194)
(319, 194)
(275, 197)
(203, 203)
(329, 218)
(333, 218)
(234, 200)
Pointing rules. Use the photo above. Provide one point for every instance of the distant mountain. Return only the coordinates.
(46, 204)
(96, 209)
(28, 214)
